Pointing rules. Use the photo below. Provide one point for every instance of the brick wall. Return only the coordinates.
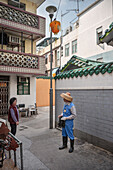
(94, 121)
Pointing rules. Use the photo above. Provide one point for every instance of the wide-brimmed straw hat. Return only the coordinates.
(67, 96)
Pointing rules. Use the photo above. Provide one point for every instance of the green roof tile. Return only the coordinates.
(103, 38)
(97, 71)
(89, 67)
(91, 72)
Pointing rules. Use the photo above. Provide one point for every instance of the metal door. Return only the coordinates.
(4, 93)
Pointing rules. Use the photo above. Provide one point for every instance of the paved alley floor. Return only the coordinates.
(40, 148)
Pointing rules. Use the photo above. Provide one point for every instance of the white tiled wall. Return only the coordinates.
(89, 82)
(23, 99)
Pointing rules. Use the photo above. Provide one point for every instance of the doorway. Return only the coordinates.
(4, 94)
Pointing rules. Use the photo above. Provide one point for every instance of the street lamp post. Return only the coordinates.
(51, 10)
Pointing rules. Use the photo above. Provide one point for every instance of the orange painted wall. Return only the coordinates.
(42, 92)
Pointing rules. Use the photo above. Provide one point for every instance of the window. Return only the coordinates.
(58, 55)
(17, 4)
(46, 59)
(16, 47)
(67, 50)
(23, 47)
(14, 39)
(98, 33)
(22, 6)
(62, 51)
(16, 0)
(57, 58)
(23, 85)
(74, 46)
(12, 47)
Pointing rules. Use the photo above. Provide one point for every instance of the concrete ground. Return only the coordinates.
(40, 148)
(8, 164)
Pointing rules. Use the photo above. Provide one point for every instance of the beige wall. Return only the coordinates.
(46, 50)
(28, 46)
(4, 47)
(30, 6)
(4, 1)
(42, 92)
(55, 44)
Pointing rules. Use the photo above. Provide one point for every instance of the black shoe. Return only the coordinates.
(71, 146)
(62, 147)
(64, 143)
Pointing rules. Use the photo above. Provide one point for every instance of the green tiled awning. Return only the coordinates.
(84, 67)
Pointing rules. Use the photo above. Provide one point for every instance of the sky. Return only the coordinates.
(64, 6)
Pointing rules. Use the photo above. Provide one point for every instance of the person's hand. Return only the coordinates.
(59, 116)
(63, 118)
(17, 123)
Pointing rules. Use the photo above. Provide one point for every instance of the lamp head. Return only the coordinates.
(51, 9)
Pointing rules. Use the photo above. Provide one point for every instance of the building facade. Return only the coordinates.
(20, 28)
(84, 41)
(45, 51)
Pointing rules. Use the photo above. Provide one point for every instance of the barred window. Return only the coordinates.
(23, 85)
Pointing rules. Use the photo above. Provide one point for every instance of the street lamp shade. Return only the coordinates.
(51, 9)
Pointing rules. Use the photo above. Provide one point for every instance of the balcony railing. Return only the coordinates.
(13, 17)
(21, 62)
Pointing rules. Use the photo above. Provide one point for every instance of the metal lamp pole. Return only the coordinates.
(51, 10)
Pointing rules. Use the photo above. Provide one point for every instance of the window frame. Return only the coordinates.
(24, 85)
(58, 55)
(67, 50)
(46, 59)
(75, 46)
(17, 4)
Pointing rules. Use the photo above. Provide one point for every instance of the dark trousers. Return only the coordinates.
(13, 128)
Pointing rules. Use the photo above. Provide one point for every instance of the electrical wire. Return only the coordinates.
(58, 9)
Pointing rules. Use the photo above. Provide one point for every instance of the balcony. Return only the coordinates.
(22, 21)
(16, 62)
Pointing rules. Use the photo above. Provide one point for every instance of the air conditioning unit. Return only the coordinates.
(76, 24)
(14, 39)
(68, 30)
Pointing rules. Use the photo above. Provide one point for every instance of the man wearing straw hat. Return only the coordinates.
(68, 115)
